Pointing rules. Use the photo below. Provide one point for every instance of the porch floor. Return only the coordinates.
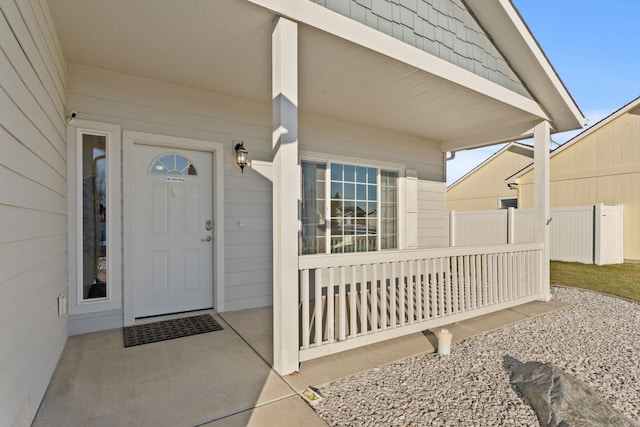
(217, 379)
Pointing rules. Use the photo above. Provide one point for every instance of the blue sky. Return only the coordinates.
(594, 46)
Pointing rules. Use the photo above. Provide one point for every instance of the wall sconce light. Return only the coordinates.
(242, 155)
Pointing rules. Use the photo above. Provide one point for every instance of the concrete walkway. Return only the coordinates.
(217, 379)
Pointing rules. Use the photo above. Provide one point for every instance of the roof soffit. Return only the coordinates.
(204, 45)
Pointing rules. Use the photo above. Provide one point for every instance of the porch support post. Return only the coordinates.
(285, 196)
(542, 138)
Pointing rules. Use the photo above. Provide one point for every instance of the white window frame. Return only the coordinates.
(112, 134)
(328, 159)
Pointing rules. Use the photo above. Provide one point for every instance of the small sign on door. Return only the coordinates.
(174, 179)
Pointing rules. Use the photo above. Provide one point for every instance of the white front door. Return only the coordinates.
(172, 227)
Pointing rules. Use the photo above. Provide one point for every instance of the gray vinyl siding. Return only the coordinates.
(33, 223)
(444, 28)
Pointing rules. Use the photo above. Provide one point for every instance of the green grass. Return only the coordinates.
(620, 279)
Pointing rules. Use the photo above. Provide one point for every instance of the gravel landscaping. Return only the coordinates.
(597, 340)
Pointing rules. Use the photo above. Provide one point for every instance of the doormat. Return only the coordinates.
(169, 329)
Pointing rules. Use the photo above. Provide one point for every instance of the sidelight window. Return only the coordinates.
(94, 219)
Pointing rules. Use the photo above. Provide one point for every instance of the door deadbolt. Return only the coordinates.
(208, 225)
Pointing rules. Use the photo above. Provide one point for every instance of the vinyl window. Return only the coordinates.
(348, 208)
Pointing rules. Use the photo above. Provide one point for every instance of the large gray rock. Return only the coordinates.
(562, 400)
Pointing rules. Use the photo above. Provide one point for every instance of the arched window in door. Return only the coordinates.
(172, 164)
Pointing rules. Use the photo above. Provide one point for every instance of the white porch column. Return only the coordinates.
(285, 196)
(542, 137)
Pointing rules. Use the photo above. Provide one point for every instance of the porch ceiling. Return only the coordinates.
(224, 46)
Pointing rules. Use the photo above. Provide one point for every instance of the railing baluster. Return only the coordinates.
(403, 300)
(492, 284)
(425, 290)
(319, 306)
(331, 298)
(393, 296)
(447, 279)
(467, 282)
(455, 280)
(383, 297)
(353, 311)
(426, 313)
(511, 275)
(460, 278)
(508, 271)
(433, 285)
(485, 281)
(498, 278)
(419, 307)
(514, 274)
(533, 281)
(466, 285)
(304, 296)
(411, 309)
(530, 271)
(374, 299)
(440, 288)
(462, 283)
(342, 303)
(524, 258)
(410, 293)
(518, 291)
(505, 276)
(364, 305)
(525, 273)
(474, 282)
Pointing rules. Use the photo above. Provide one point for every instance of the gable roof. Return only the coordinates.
(516, 147)
(632, 107)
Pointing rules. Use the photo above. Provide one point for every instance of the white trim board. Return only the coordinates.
(217, 149)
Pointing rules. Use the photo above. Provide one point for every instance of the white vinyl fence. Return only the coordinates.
(586, 234)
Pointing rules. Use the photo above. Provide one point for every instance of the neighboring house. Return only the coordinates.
(121, 197)
(600, 165)
(483, 188)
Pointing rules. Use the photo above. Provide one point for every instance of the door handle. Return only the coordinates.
(206, 239)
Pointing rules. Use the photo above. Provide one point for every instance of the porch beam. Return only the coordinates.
(542, 138)
(285, 198)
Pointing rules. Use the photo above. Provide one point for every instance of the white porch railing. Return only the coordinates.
(351, 300)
